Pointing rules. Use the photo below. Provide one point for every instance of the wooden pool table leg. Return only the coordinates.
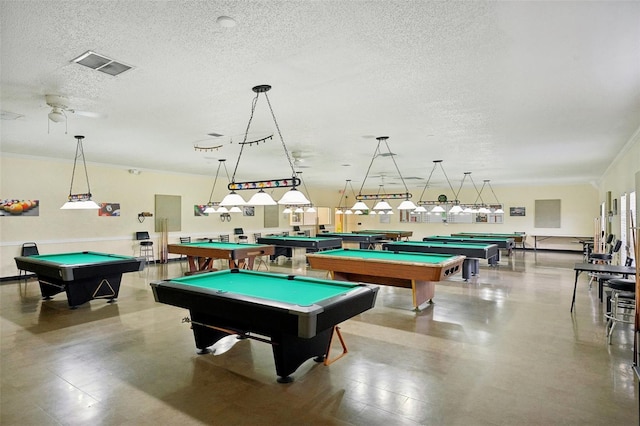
(422, 291)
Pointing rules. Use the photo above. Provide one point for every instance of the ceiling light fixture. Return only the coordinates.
(211, 205)
(442, 198)
(79, 201)
(291, 197)
(405, 205)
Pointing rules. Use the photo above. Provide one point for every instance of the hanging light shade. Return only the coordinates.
(287, 210)
(348, 212)
(232, 199)
(235, 209)
(359, 205)
(420, 209)
(437, 209)
(79, 201)
(372, 213)
(339, 211)
(358, 212)
(382, 205)
(261, 198)
(407, 205)
(294, 197)
(456, 209)
(209, 209)
(310, 209)
(299, 210)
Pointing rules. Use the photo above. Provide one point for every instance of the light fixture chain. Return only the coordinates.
(397, 168)
(375, 154)
(428, 180)
(215, 180)
(284, 146)
(479, 192)
(84, 162)
(493, 192)
(246, 134)
(73, 172)
(460, 188)
(448, 181)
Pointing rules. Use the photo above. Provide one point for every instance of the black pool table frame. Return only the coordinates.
(80, 282)
(366, 241)
(297, 333)
(284, 246)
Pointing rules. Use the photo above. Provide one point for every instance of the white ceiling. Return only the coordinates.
(515, 92)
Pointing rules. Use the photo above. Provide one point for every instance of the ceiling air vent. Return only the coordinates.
(101, 63)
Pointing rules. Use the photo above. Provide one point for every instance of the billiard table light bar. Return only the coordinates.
(79, 201)
(398, 196)
(264, 184)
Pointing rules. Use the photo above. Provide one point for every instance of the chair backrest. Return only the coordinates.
(243, 239)
(29, 249)
(257, 235)
(185, 239)
(610, 238)
(224, 238)
(629, 261)
(616, 247)
(142, 235)
(322, 228)
(296, 228)
(238, 231)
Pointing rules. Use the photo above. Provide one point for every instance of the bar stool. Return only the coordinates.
(146, 251)
(622, 304)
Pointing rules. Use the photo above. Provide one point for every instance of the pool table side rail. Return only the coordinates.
(71, 272)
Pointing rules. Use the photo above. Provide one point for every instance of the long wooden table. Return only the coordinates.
(201, 255)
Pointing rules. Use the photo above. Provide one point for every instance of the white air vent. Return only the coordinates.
(101, 63)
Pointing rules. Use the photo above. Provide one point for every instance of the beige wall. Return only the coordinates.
(59, 231)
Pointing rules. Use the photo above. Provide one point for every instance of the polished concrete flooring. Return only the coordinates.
(502, 349)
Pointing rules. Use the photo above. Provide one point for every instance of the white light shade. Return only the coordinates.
(311, 209)
(80, 205)
(209, 209)
(420, 209)
(222, 209)
(348, 212)
(467, 210)
(499, 211)
(372, 213)
(358, 212)
(382, 205)
(56, 116)
(293, 197)
(338, 211)
(261, 198)
(299, 210)
(232, 199)
(437, 209)
(390, 212)
(456, 209)
(235, 209)
(359, 205)
(287, 210)
(484, 210)
(407, 205)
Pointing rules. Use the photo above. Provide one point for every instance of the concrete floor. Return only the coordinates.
(502, 349)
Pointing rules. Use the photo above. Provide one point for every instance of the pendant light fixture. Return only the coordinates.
(79, 201)
(442, 198)
(292, 196)
(407, 204)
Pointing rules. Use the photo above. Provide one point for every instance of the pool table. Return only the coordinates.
(297, 313)
(364, 241)
(472, 252)
(84, 276)
(284, 245)
(389, 235)
(504, 243)
(417, 271)
(518, 237)
(200, 255)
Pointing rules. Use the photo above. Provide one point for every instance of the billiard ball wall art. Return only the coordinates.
(109, 209)
(15, 207)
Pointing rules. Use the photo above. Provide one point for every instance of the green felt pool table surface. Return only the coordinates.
(302, 291)
(218, 245)
(80, 258)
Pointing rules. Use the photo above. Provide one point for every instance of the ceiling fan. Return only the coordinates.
(60, 107)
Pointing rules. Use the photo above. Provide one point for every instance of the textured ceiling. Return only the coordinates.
(514, 92)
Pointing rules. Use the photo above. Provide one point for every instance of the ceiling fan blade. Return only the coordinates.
(87, 113)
